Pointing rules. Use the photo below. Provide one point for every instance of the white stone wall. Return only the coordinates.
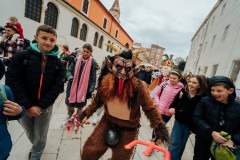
(65, 15)
(224, 52)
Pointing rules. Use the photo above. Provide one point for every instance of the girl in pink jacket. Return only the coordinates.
(166, 92)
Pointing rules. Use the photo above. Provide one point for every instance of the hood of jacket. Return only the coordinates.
(54, 52)
(216, 79)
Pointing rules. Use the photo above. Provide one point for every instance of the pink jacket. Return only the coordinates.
(167, 97)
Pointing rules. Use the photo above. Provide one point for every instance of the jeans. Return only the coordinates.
(179, 137)
(36, 129)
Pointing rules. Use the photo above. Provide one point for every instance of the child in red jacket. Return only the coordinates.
(18, 28)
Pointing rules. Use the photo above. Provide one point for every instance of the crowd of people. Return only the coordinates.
(35, 77)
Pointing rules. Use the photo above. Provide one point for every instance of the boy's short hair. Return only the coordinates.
(13, 18)
(11, 27)
(46, 28)
(88, 46)
(225, 85)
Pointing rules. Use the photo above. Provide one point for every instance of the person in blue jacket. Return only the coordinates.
(8, 111)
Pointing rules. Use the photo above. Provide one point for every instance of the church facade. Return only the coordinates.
(215, 48)
(76, 21)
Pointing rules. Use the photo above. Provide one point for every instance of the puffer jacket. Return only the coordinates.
(207, 114)
(167, 97)
(36, 79)
(5, 139)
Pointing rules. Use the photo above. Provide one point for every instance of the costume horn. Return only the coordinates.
(115, 49)
(136, 52)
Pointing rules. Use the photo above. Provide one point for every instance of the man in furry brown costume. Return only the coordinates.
(122, 94)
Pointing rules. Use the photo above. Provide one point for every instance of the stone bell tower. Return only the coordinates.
(115, 10)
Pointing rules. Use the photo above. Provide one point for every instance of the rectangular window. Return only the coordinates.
(105, 23)
(203, 33)
(213, 20)
(85, 6)
(116, 33)
(225, 33)
(235, 70)
(223, 9)
(213, 40)
(214, 69)
(205, 70)
(205, 47)
(199, 69)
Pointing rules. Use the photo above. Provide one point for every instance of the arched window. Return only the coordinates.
(95, 39)
(100, 42)
(75, 26)
(51, 15)
(107, 46)
(127, 45)
(83, 33)
(33, 9)
(111, 49)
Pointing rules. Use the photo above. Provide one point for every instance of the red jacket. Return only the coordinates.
(19, 29)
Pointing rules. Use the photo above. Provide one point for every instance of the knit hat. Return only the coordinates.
(2, 68)
(66, 47)
(11, 26)
(216, 79)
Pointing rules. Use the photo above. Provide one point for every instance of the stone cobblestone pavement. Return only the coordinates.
(64, 145)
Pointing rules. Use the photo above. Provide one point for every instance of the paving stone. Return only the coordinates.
(57, 121)
(53, 141)
(49, 157)
(16, 130)
(69, 149)
(20, 149)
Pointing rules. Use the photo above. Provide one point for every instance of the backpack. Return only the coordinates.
(26, 44)
(3, 96)
(163, 86)
(220, 152)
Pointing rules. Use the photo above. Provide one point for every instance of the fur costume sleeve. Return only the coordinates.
(95, 104)
(149, 107)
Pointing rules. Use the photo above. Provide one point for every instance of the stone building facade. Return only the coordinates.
(215, 48)
(76, 21)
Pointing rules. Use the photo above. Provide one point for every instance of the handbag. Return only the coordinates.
(220, 152)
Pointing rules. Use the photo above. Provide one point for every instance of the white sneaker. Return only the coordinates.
(95, 120)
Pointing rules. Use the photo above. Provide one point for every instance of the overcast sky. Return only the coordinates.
(170, 24)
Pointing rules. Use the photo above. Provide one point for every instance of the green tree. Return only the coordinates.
(181, 65)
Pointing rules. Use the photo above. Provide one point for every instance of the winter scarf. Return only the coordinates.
(78, 94)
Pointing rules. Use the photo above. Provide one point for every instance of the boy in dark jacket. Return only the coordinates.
(217, 112)
(8, 111)
(36, 78)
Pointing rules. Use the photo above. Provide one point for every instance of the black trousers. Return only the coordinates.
(202, 149)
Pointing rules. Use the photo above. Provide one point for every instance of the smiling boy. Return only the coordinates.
(36, 78)
(217, 112)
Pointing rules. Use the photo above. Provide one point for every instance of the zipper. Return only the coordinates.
(42, 72)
